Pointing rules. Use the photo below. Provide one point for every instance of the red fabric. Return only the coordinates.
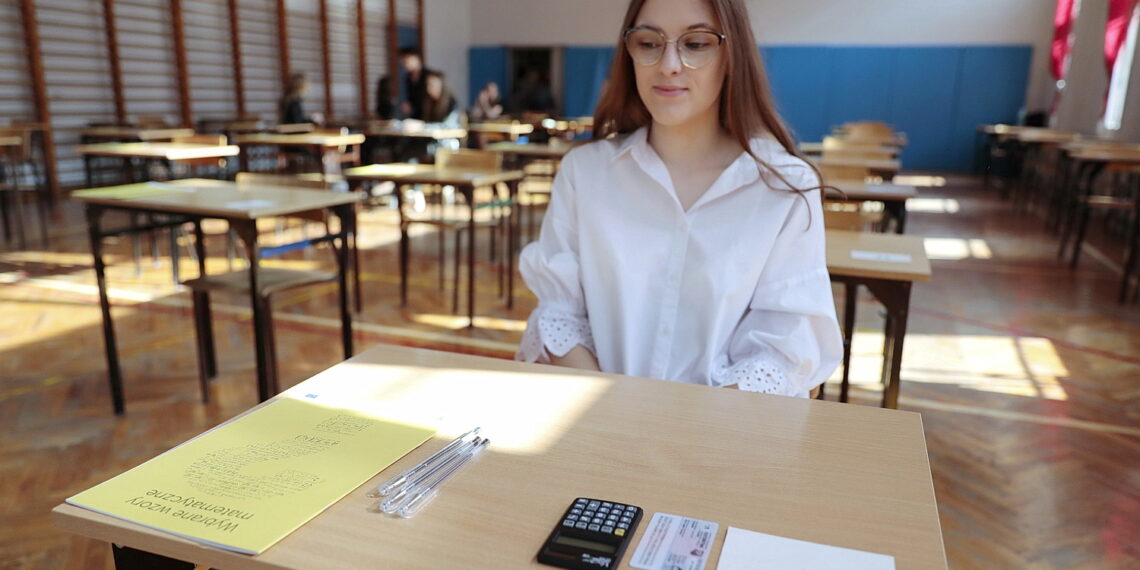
(1115, 32)
(1062, 36)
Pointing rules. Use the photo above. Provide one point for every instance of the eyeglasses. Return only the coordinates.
(696, 48)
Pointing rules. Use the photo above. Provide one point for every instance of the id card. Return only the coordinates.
(671, 542)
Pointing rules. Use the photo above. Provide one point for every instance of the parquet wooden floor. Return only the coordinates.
(1027, 376)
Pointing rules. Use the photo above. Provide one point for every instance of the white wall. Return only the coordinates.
(783, 22)
(447, 35)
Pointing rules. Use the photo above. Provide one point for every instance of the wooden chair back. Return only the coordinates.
(869, 130)
(151, 122)
(468, 158)
(835, 172)
(216, 140)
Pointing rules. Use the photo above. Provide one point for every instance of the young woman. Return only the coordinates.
(686, 243)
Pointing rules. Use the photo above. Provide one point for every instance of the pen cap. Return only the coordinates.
(391, 504)
(420, 496)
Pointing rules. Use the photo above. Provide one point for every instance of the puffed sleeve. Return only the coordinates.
(788, 341)
(551, 269)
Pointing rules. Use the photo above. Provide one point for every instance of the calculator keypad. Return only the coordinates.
(599, 516)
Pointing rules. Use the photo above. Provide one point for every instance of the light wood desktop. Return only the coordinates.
(127, 133)
(189, 201)
(164, 153)
(835, 474)
(889, 281)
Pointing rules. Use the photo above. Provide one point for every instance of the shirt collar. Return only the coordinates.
(638, 137)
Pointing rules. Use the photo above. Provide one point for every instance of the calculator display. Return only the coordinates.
(571, 541)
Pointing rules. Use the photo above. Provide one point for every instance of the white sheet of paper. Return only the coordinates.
(248, 204)
(879, 256)
(750, 550)
(673, 542)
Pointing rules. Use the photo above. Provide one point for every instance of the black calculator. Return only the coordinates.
(592, 534)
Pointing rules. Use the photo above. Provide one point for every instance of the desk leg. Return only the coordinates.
(850, 302)
(512, 239)
(114, 373)
(127, 558)
(470, 191)
(347, 215)
(895, 297)
(262, 331)
(404, 245)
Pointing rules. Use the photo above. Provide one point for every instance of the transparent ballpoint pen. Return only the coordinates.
(392, 502)
(392, 484)
(421, 495)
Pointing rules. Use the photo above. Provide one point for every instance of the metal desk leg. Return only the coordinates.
(850, 301)
(512, 240)
(247, 231)
(470, 191)
(114, 373)
(347, 215)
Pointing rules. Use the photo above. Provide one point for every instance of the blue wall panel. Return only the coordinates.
(584, 71)
(937, 95)
(799, 78)
(486, 64)
(923, 99)
(991, 89)
(860, 84)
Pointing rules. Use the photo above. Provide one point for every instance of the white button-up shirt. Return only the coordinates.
(733, 291)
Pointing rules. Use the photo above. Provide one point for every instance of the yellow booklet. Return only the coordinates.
(248, 483)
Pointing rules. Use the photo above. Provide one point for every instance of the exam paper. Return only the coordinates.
(749, 550)
(862, 255)
(248, 483)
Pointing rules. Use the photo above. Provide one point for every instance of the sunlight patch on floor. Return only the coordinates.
(956, 249)
(933, 205)
(1026, 366)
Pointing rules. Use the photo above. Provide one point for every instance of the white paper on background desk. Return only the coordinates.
(879, 256)
(671, 542)
(749, 550)
(248, 204)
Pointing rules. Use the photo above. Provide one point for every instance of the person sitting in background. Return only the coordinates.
(387, 103)
(292, 106)
(532, 94)
(438, 104)
(487, 105)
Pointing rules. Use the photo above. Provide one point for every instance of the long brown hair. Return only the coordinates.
(747, 108)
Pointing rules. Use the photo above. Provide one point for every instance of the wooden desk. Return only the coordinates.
(886, 167)
(1088, 163)
(165, 153)
(11, 141)
(386, 129)
(554, 150)
(193, 200)
(893, 197)
(512, 129)
(816, 148)
(93, 134)
(848, 476)
(465, 181)
(317, 144)
(890, 283)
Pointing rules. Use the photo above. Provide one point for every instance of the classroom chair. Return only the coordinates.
(21, 174)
